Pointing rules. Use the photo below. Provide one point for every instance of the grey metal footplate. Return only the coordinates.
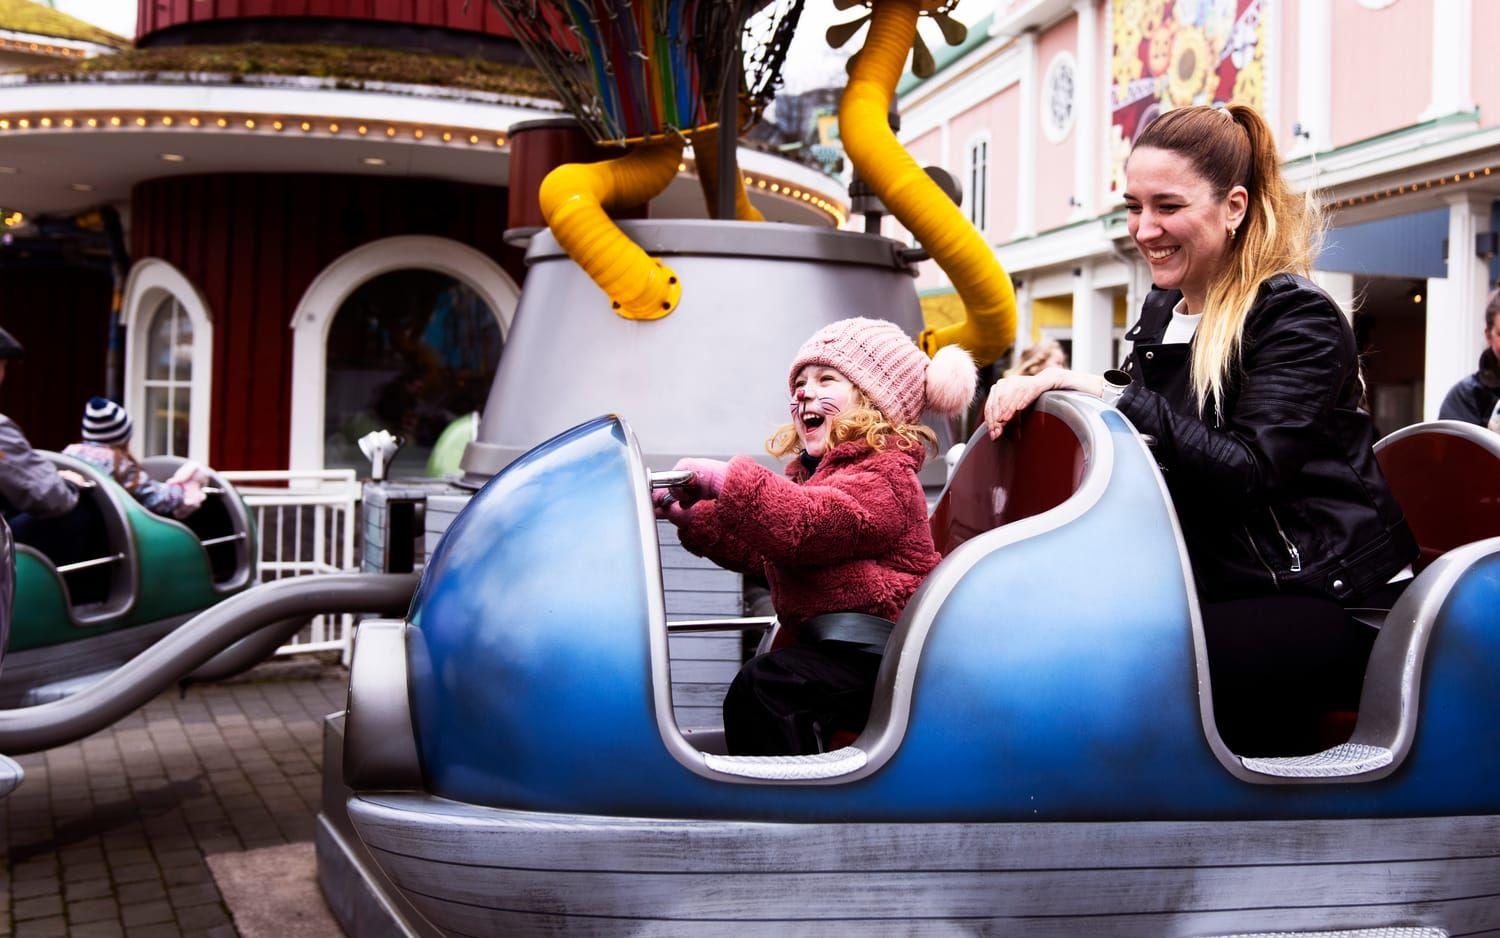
(1340, 761)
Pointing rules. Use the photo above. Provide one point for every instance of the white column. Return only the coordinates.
(1026, 139)
(945, 149)
(1339, 286)
(1023, 319)
(1455, 304)
(1085, 104)
(1093, 324)
(1452, 76)
(1314, 76)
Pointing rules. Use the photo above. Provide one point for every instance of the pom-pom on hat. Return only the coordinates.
(884, 363)
(105, 422)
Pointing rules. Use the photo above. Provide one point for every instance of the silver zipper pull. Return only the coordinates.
(1290, 547)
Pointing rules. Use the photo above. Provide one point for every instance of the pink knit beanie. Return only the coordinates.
(884, 363)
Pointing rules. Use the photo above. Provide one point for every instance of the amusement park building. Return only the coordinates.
(1389, 109)
(296, 208)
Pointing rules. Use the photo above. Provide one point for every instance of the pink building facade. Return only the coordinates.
(1389, 110)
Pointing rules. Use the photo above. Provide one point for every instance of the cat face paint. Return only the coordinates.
(819, 393)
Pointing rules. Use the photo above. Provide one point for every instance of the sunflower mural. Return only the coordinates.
(1173, 53)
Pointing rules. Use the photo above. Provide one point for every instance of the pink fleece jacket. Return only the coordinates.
(853, 537)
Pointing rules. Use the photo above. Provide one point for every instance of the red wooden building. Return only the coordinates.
(311, 198)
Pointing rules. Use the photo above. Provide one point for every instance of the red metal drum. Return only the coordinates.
(473, 16)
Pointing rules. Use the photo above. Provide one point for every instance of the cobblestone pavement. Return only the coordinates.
(108, 836)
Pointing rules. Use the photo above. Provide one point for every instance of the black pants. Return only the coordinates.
(1278, 663)
(792, 700)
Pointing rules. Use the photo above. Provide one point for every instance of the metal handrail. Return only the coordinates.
(85, 564)
(239, 536)
(740, 624)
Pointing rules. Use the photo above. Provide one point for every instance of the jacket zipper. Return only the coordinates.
(1261, 557)
(1291, 548)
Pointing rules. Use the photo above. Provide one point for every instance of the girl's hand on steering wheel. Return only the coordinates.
(668, 508)
(1009, 397)
(708, 479)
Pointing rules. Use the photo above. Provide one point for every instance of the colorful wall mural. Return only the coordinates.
(1172, 53)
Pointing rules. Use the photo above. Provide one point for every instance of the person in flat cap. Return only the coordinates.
(30, 486)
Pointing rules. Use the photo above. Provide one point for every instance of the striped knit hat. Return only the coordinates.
(105, 422)
(898, 378)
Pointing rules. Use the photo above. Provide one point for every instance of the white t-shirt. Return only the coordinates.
(1180, 330)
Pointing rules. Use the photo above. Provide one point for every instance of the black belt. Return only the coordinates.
(854, 628)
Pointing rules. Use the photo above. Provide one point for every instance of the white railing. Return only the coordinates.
(304, 524)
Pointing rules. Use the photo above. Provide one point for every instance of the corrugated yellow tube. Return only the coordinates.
(989, 327)
(706, 149)
(573, 199)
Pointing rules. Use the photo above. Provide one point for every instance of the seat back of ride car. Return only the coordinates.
(1446, 476)
(98, 562)
(7, 585)
(1036, 465)
(222, 525)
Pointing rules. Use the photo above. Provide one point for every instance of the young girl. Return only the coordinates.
(844, 532)
(106, 435)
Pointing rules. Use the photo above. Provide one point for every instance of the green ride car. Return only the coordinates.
(140, 576)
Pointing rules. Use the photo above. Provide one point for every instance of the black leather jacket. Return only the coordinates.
(1278, 490)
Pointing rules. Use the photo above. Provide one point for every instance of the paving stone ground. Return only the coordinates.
(108, 836)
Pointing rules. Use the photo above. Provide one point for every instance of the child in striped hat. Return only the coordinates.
(106, 437)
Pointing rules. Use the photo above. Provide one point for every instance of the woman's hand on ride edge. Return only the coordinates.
(1010, 396)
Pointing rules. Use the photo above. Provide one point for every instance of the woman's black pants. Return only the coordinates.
(1278, 664)
(792, 701)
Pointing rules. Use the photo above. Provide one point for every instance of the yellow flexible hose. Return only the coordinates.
(705, 149)
(573, 198)
(989, 326)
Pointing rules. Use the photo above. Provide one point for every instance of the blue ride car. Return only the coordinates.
(1041, 759)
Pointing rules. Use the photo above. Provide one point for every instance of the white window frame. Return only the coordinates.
(976, 197)
(151, 281)
(313, 318)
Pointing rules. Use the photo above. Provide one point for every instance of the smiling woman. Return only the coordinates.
(1244, 374)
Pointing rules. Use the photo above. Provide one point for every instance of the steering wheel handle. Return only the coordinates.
(675, 478)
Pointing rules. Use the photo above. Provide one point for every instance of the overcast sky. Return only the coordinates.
(117, 16)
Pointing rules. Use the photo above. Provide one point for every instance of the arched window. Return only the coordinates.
(163, 428)
(458, 278)
(977, 180)
(409, 351)
(169, 342)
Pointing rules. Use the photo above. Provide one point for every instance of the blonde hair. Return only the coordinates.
(1281, 232)
(1034, 359)
(860, 420)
